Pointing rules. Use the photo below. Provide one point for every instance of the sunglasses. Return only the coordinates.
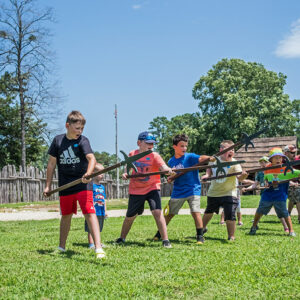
(150, 137)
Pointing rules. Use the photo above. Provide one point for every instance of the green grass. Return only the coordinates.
(265, 266)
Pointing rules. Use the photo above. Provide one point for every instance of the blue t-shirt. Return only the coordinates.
(189, 183)
(99, 199)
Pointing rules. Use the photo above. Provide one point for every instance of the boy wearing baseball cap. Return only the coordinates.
(146, 188)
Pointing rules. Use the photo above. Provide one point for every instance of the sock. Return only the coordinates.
(91, 245)
(199, 231)
(158, 234)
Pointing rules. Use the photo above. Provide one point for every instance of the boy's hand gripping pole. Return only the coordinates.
(128, 161)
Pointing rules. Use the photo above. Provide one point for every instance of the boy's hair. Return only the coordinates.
(75, 116)
(180, 137)
(229, 142)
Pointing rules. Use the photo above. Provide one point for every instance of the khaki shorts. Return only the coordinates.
(176, 203)
(294, 195)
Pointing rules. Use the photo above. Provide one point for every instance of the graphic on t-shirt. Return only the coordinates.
(142, 168)
(221, 180)
(68, 157)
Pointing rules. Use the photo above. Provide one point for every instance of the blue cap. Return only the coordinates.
(148, 137)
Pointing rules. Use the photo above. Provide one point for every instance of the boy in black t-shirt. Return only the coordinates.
(72, 154)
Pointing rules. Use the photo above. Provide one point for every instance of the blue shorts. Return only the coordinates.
(279, 206)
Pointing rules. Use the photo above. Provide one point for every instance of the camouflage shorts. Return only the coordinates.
(294, 194)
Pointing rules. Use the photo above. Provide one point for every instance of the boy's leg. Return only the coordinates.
(161, 223)
(197, 219)
(282, 212)
(230, 205)
(206, 218)
(94, 229)
(298, 209)
(213, 205)
(290, 206)
(90, 239)
(126, 226)
(289, 223)
(222, 218)
(256, 219)
(284, 224)
(65, 224)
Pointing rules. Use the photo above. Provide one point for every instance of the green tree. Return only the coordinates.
(24, 50)
(107, 160)
(165, 130)
(10, 142)
(237, 96)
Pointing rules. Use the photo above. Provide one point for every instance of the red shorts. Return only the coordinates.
(68, 204)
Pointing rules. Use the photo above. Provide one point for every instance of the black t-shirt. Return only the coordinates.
(71, 161)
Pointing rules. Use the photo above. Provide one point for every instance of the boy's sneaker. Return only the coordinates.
(231, 239)
(91, 246)
(166, 244)
(253, 230)
(292, 234)
(200, 239)
(240, 223)
(58, 250)
(100, 253)
(120, 241)
(157, 236)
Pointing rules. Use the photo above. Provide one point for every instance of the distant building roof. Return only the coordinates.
(261, 148)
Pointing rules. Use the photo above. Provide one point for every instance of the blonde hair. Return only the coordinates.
(75, 116)
(229, 142)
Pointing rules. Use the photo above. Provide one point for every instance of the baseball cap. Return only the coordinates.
(290, 148)
(148, 137)
(275, 151)
(264, 158)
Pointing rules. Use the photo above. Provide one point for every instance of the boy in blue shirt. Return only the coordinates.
(186, 187)
(99, 197)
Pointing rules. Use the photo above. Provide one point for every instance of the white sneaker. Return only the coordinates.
(100, 253)
(292, 234)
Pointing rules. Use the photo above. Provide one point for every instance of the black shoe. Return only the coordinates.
(200, 239)
(120, 241)
(157, 236)
(166, 244)
(253, 230)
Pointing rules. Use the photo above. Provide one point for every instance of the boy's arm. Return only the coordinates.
(165, 168)
(243, 176)
(91, 166)
(49, 173)
(203, 158)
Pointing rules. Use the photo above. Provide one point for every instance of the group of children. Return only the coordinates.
(72, 154)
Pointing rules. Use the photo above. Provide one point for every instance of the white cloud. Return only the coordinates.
(136, 6)
(289, 47)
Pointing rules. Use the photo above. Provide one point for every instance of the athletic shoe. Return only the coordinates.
(253, 230)
(120, 241)
(91, 246)
(200, 239)
(58, 250)
(292, 234)
(222, 223)
(240, 223)
(100, 253)
(157, 236)
(231, 239)
(205, 230)
(166, 244)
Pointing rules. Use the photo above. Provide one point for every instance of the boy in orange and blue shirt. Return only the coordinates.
(276, 195)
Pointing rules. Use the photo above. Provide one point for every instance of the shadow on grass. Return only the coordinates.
(132, 243)
(68, 253)
(84, 245)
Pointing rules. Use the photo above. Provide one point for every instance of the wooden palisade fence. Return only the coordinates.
(28, 186)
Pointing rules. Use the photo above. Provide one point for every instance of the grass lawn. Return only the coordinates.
(265, 266)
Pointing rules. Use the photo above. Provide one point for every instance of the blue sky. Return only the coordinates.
(146, 56)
